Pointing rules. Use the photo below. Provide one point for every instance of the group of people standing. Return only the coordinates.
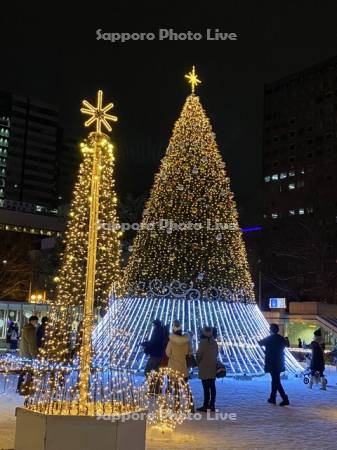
(174, 350)
(30, 339)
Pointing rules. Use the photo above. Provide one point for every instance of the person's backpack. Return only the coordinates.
(13, 335)
(221, 371)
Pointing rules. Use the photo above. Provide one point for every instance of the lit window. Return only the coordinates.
(291, 173)
(275, 176)
(310, 210)
(283, 175)
(301, 211)
(302, 171)
(291, 186)
(274, 215)
(291, 212)
(266, 179)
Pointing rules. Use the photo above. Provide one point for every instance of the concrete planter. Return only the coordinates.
(36, 431)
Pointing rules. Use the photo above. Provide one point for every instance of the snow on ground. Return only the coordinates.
(309, 423)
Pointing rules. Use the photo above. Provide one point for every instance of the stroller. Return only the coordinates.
(306, 376)
(307, 372)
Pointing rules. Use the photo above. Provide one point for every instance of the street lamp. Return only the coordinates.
(38, 297)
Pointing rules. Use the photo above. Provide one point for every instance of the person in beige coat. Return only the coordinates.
(28, 349)
(178, 348)
(28, 339)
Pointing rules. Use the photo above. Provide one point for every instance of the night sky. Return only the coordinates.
(52, 54)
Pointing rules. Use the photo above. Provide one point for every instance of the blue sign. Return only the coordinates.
(278, 303)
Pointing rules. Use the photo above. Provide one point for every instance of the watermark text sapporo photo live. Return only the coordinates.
(166, 34)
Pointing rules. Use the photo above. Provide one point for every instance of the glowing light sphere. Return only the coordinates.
(170, 399)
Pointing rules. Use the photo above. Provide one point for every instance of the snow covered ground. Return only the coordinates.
(309, 423)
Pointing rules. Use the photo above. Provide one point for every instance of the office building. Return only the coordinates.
(299, 244)
(28, 153)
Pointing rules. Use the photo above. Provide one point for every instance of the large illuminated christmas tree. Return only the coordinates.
(188, 261)
(190, 229)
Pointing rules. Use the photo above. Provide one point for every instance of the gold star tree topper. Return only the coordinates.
(193, 79)
(98, 114)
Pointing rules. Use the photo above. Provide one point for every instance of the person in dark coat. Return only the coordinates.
(12, 336)
(317, 364)
(275, 345)
(155, 347)
(9, 326)
(300, 343)
(41, 332)
(207, 356)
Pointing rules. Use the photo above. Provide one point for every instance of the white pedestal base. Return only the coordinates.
(36, 431)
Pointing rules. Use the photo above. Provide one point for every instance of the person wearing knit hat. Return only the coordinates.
(178, 347)
(177, 327)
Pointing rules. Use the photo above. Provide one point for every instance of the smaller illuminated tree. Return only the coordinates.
(90, 262)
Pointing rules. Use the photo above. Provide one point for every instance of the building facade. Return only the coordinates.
(28, 154)
(37, 174)
(68, 163)
(299, 245)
